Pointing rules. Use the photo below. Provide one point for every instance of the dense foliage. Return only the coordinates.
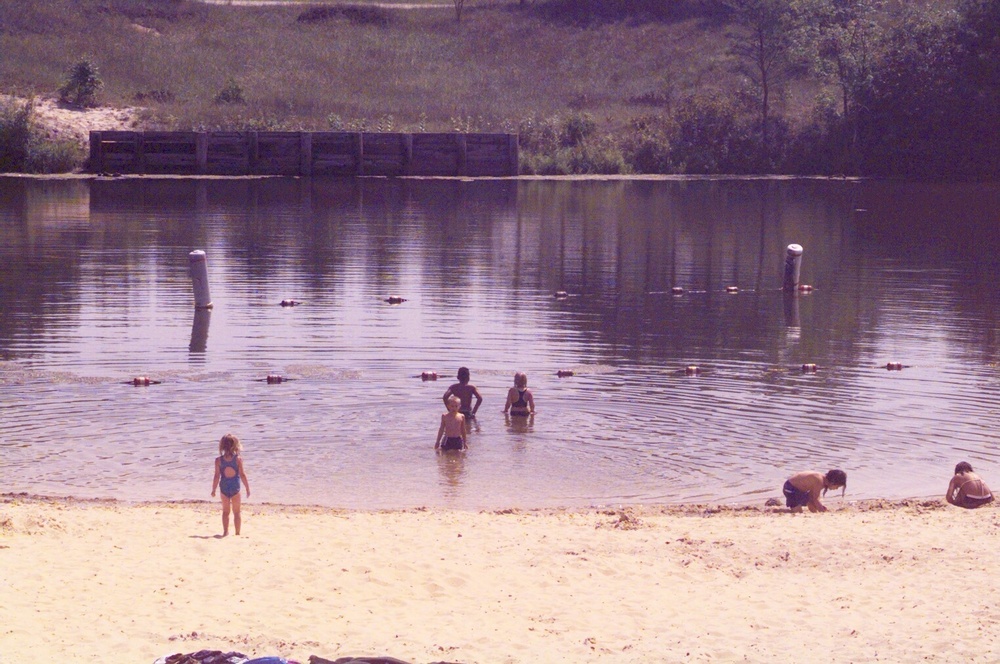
(835, 87)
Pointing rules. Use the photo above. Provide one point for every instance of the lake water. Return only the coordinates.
(95, 291)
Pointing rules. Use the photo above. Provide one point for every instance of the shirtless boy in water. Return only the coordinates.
(464, 391)
(967, 489)
(804, 489)
(451, 433)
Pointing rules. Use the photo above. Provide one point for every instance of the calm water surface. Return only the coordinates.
(94, 290)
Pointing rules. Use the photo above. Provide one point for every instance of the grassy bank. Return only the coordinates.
(591, 85)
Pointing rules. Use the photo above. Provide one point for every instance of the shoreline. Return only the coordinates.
(100, 579)
(833, 503)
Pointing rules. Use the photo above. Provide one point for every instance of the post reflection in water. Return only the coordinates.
(104, 293)
(199, 331)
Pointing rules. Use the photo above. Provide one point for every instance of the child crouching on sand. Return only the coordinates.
(451, 433)
(804, 489)
(228, 473)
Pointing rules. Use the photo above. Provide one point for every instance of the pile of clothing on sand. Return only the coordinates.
(219, 657)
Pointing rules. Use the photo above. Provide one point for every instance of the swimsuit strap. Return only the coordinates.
(981, 486)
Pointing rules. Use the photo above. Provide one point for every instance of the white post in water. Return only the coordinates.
(199, 279)
(793, 262)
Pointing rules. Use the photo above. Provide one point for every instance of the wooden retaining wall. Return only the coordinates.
(302, 153)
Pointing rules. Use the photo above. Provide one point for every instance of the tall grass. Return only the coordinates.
(654, 79)
(499, 65)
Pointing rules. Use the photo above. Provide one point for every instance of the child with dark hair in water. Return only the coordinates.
(967, 489)
(804, 489)
(464, 391)
(228, 473)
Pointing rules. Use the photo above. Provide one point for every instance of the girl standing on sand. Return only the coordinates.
(228, 473)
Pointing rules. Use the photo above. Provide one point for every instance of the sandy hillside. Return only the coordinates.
(62, 121)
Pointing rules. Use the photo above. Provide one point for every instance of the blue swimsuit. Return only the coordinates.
(229, 486)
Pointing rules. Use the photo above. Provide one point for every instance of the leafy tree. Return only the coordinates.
(978, 86)
(766, 43)
(912, 121)
(82, 83)
(849, 42)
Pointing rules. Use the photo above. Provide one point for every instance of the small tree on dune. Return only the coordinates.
(82, 83)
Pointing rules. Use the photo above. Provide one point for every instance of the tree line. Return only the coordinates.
(917, 88)
(907, 89)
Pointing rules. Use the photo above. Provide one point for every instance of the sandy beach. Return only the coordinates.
(112, 581)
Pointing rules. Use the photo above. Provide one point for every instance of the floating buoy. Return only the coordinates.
(564, 373)
(805, 288)
(290, 303)
(894, 366)
(808, 368)
(732, 289)
(141, 381)
(274, 379)
(692, 370)
(429, 375)
(561, 294)
(395, 299)
(677, 290)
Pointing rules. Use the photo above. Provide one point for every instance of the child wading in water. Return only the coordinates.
(519, 398)
(228, 473)
(451, 433)
(465, 391)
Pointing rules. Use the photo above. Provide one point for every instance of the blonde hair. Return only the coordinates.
(521, 379)
(454, 401)
(230, 444)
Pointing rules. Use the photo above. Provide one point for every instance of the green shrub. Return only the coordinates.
(82, 83)
(714, 134)
(596, 157)
(15, 136)
(646, 145)
(231, 93)
(358, 14)
(540, 135)
(158, 95)
(54, 157)
(577, 128)
(24, 150)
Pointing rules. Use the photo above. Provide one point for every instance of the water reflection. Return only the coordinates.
(451, 466)
(199, 331)
(96, 291)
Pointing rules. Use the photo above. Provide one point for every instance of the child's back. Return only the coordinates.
(520, 400)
